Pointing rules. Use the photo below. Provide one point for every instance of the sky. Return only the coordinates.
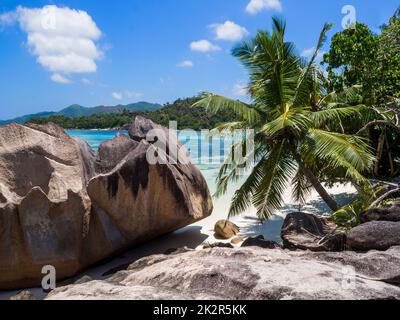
(57, 53)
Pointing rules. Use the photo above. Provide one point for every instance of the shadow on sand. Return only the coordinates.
(190, 237)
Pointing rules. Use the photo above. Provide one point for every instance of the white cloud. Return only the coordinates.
(308, 53)
(240, 89)
(62, 39)
(117, 95)
(58, 78)
(229, 31)
(203, 46)
(255, 6)
(186, 64)
(86, 81)
(8, 18)
(133, 94)
(126, 94)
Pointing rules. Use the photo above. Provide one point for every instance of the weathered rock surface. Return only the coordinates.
(84, 279)
(23, 296)
(237, 240)
(249, 273)
(64, 205)
(375, 265)
(374, 235)
(225, 229)
(113, 151)
(142, 126)
(260, 242)
(44, 212)
(217, 245)
(391, 213)
(308, 232)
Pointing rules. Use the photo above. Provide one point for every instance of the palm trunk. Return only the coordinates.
(391, 163)
(379, 152)
(332, 204)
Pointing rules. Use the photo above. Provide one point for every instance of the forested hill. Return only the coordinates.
(77, 110)
(181, 110)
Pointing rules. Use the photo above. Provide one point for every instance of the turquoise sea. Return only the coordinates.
(207, 153)
(94, 137)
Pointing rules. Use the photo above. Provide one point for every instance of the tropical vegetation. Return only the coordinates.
(359, 57)
(314, 129)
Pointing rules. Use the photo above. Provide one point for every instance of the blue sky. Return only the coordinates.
(152, 50)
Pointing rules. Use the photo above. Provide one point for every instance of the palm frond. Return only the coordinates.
(354, 175)
(273, 66)
(344, 148)
(296, 120)
(347, 95)
(325, 116)
(229, 127)
(242, 197)
(268, 196)
(215, 103)
(301, 187)
(302, 85)
(232, 171)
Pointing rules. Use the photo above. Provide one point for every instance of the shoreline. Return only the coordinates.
(107, 129)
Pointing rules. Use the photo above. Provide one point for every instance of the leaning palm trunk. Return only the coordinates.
(332, 204)
(379, 152)
(391, 163)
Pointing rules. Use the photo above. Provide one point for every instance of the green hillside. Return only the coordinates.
(76, 111)
(27, 117)
(181, 111)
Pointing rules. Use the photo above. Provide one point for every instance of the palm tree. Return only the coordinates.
(291, 115)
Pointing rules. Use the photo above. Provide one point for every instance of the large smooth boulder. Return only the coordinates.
(225, 229)
(44, 208)
(248, 274)
(260, 242)
(308, 232)
(391, 213)
(142, 201)
(374, 235)
(62, 204)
